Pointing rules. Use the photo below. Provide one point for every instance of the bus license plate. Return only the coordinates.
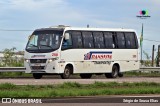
(37, 65)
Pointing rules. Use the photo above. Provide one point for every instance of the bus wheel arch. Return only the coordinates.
(120, 74)
(115, 71)
(68, 70)
(116, 65)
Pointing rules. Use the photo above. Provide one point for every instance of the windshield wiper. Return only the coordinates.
(32, 45)
(48, 46)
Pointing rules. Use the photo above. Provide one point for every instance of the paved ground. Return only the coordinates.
(44, 81)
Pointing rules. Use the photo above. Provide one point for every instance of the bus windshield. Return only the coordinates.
(44, 41)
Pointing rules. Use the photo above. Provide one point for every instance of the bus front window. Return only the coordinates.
(43, 42)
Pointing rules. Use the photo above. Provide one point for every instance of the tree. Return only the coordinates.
(10, 58)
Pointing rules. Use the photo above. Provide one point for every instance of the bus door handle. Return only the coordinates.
(127, 61)
(81, 61)
(136, 61)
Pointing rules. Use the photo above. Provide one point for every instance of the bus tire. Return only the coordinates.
(67, 73)
(114, 73)
(120, 74)
(37, 75)
(85, 76)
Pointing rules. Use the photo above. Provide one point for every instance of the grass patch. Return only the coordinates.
(143, 74)
(69, 89)
(7, 86)
(14, 74)
(70, 85)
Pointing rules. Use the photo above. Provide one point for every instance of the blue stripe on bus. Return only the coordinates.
(95, 52)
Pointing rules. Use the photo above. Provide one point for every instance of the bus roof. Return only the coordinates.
(86, 29)
(100, 29)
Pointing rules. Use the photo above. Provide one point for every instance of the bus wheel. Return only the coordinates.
(67, 73)
(114, 73)
(120, 74)
(37, 75)
(85, 76)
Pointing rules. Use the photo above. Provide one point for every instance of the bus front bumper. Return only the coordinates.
(51, 67)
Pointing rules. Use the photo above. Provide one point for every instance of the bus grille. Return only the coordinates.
(38, 60)
(37, 67)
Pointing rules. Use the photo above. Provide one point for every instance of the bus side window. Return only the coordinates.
(109, 43)
(77, 39)
(87, 40)
(130, 40)
(67, 43)
(120, 40)
(98, 40)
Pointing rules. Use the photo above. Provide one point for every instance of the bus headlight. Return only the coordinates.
(27, 60)
(52, 59)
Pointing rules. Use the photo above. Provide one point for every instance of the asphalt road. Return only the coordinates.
(44, 81)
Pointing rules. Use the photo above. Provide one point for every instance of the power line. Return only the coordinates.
(26, 30)
(151, 40)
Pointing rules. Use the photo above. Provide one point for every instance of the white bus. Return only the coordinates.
(85, 51)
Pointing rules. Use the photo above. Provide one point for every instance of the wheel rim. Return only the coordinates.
(115, 71)
(67, 72)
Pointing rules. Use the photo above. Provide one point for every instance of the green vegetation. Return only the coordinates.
(11, 59)
(142, 74)
(14, 75)
(75, 89)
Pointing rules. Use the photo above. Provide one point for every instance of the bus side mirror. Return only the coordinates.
(66, 36)
(29, 37)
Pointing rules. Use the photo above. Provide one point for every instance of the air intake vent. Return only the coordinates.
(38, 60)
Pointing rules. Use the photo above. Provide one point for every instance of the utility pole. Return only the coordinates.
(153, 56)
(158, 58)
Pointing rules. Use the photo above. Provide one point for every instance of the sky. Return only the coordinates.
(28, 15)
